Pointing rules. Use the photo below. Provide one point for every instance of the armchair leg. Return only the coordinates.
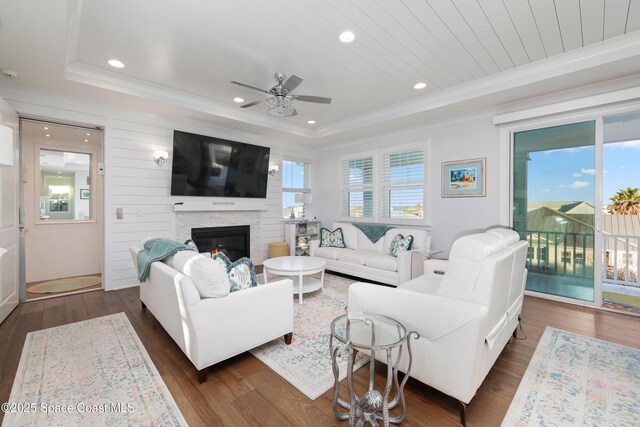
(515, 331)
(288, 337)
(143, 305)
(463, 413)
(202, 375)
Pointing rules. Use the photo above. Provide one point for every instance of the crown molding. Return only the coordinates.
(620, 48)
(93, 76)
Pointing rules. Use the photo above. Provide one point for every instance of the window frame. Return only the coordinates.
(363, 187)
(382, 186)
(295, 190)
(93, 176)
(377, 156)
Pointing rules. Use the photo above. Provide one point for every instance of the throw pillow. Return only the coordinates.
(332, 239)
(242, 275)
(401, 244)
(191, 245)
(208, 275)
(220, 256)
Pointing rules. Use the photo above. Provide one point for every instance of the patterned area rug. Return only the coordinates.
(95, 372)
(64, 285)
(576, 380)
(306, 363)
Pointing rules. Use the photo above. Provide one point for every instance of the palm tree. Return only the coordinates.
(625, 202)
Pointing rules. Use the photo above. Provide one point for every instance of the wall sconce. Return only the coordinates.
(160, 157)
(273, 169)
(6, 146)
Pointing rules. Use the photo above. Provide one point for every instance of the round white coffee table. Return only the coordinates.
(301, 266)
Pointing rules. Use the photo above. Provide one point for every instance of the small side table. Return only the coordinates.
(370, 332)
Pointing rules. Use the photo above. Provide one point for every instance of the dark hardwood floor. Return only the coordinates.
(243, 391)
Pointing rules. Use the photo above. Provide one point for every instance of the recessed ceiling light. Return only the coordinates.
(47, 135)
(420, 85)
(58, 172)
(86, 140)
(347, 37)
(115, 63)
(45, 128)
(237, 99)
(88, 134)
(311, 122)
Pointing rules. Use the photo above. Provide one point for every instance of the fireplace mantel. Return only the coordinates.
(226, 205)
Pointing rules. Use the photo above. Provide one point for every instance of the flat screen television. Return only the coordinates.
(215, 167)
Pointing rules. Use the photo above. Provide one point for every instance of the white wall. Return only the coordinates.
(134, 182)
(446, 216)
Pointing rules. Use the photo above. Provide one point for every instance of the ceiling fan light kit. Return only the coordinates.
(281, 101)
(280, 106)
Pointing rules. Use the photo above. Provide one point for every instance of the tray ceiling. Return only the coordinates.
(186, 53)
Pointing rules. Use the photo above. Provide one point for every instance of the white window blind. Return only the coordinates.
(402, 190)
(357, 187)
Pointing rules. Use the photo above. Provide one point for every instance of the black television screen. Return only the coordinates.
(209, 166)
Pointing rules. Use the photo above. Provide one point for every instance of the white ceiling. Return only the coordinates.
(184, 54)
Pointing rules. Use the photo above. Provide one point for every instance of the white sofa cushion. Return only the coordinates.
(329, 253)
(368, 245)
(381, 261)
(208, 275)
(350, 234)
(353, 256)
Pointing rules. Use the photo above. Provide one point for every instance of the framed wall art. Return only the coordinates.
(464, 178)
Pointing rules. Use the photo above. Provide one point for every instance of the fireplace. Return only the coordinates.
(233, 241)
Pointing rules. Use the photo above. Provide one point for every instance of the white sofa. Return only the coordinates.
(464, 309)
(210, 330)
(365, 259)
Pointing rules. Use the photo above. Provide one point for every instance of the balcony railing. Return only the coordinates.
(560, 253)
(572, 254)
(621, 259)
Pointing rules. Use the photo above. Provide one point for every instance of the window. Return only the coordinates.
(65, 185)
(295, 180)
(357, 187)
(402, 190)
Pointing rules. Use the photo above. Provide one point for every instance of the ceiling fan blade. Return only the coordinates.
(292, 83)
(318, 99)
(251, 104)
(249, 86)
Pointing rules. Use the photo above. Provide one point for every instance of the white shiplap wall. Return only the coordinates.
(135, 183)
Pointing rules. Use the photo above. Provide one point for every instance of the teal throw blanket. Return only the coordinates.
(157, 250)
(373, 231)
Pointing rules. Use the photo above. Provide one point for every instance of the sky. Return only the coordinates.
(569, 174)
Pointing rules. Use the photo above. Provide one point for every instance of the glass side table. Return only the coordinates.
(369, 332)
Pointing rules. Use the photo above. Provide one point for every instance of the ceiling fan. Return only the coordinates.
(281, 100)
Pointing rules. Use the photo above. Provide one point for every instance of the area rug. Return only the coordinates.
(574, 380)
(94, 372)
(306, 362)
(64, 285)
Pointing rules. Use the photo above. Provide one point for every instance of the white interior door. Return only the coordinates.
(9, 284)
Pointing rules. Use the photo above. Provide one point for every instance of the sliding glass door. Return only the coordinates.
(621, 212)
(554, 207)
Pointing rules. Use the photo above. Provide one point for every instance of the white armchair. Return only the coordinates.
(465, 310)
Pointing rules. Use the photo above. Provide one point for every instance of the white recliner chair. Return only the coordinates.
(465, 310)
